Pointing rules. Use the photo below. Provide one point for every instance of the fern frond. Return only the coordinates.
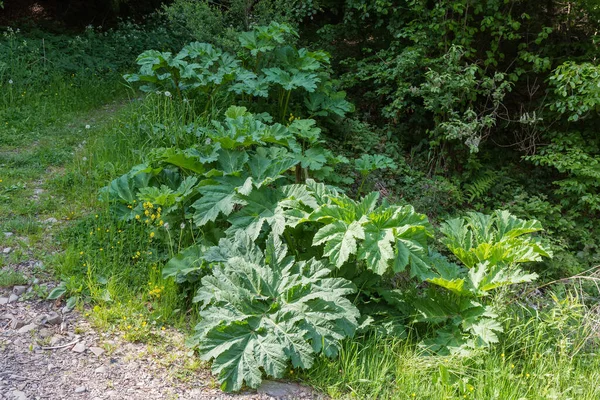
(481, 185)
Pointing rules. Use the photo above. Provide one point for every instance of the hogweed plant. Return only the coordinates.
(275, 254)
(268, 74)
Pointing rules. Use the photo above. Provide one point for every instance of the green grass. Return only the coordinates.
(10, 278)
(56, 152)
(375, 367)
(542, 355)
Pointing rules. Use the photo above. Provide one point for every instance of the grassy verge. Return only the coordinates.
(52, 164)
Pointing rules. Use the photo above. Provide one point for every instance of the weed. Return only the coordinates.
(10, 278)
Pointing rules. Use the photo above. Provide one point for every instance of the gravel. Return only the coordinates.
(45, 354)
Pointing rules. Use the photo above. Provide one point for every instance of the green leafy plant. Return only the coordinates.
(259, 313)
(576, 87)
(387, 237)
(269, 68)
(233, 171)
(368, 163)
(490, 247)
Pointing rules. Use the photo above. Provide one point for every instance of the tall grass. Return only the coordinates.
(541, 356)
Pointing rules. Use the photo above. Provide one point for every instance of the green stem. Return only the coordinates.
(287, 102)
(362, 183)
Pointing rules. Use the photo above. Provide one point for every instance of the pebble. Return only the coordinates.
(280, 389)
(18, 395)
(79, 347)
(12, 298)
(7, 250)
(80, 389)
(17, 324)
(3, 300)
(55, 340)
(19, 290)
(97, 351)
(8, 234)
(53, 318)
(100, 370)
(50, 221)
(27, 328)
(44, 333)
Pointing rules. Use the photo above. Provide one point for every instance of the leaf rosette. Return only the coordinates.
(261, 312)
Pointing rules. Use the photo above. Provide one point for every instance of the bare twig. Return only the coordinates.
(61, 346)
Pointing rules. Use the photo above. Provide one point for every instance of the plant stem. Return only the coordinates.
(362, 183)
(287, 102)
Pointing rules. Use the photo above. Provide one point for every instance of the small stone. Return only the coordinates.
(7, 316)
(53, 318)
(44, 333)
(50, 221)
(12, 298)
(7, 250)
(3, 300)
(55, 340)
(19, 290)
(17, 324)
(8, 234)
(279, 389)
(97, 351)
(80, 389)
(79, 347)
(66, 309)
(27, 328)
(100, 370)
(18, 395)
(38, 191)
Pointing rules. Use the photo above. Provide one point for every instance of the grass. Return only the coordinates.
(542, 355)
(10, 278)
(59, 144)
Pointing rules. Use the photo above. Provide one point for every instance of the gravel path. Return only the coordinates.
(47, 352)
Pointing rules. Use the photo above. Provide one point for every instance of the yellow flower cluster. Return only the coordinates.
(292, 118)
(156, 291)
(152, 215)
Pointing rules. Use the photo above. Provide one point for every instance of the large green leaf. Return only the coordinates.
(293, 79)
(381, 236)
(259, 315)
(218, 198)
(499, 238)
(260, 207)
(187, 263)
(340, 240)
